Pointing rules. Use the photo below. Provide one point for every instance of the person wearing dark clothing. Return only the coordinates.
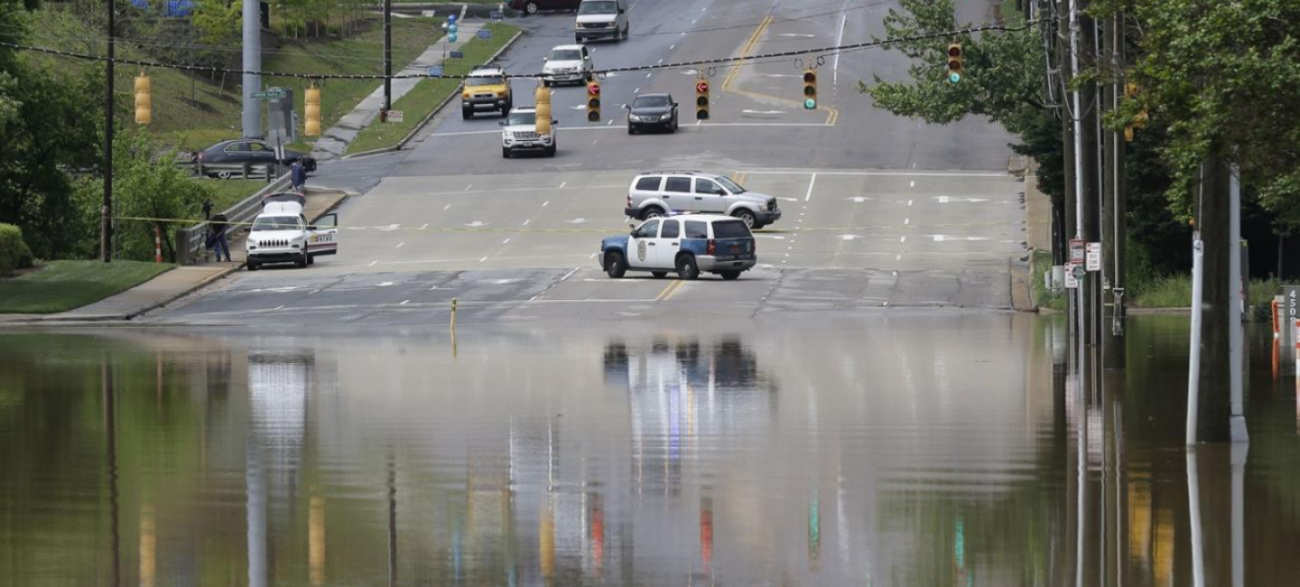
(207, 209)
(217, 236)
(298, 176)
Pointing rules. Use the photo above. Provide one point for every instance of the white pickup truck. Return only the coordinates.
(281, 234)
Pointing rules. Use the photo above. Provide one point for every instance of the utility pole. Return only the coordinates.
(252, 116)
(1089, 179)
(388, 56)
(1209, 420)
(1068, 229)
(1114, 205)
(106, 226)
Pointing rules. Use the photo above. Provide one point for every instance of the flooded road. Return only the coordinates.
(934, 449)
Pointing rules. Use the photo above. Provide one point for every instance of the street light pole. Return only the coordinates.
(388, 55)
(106, 219)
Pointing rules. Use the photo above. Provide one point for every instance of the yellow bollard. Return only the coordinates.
(453, 327)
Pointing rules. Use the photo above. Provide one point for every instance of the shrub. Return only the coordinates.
(14, 253)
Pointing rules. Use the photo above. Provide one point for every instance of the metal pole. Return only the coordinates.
(1076, 115)
(252, 116)
(106, 215)
(388, 55)
(1194, 361)
(1237, 420)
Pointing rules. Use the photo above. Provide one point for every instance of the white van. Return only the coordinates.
(602, 19)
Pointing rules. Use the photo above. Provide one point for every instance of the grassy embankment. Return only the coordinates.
(1170, 291)
(64, 285)
(427, 94)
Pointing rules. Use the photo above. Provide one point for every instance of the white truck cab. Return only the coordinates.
(281, 234)
(601, 19)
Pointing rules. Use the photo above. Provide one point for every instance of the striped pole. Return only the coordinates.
(157, 244)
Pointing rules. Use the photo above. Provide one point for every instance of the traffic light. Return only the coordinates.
(701, 99)
(809, 89)
(311, 100)
(543, 98)
(1140, 120)
(593, 101)
(143, 103)
(954, 62)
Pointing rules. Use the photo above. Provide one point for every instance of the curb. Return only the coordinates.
(432, 113)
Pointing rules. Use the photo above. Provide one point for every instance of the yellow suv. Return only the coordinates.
(486, 89)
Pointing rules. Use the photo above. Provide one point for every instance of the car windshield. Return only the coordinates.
(275, 223)
(731, 186)
(730, 229)
(485, 80)
(520, 118)
(565, 55)
(651, 102)
(608, 7)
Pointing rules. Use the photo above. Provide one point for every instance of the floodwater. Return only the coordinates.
(940, 449)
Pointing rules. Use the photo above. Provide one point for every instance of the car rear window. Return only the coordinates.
(670, 229)
(678, 184)
(649, 184)
(697, 229)
(730, 229)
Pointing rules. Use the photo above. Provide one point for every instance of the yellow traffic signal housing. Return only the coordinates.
(1139, 120)
(955, 60)
(593, 101)
(543, 116)
(810, 89)
(143, 101)
(701, 99)
(311, 101)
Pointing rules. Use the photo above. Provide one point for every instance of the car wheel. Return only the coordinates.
(302, 263)
(505, 153)
(551, 151)
(466, 114)
(659, 274)
(311, 259)
(674, 123)
(747, 217)
(253, 265)
(578, 39)
(224, 174)
(631, 129)
(686, 268)
(530, 8)
(627, 29)
(615, 265)
(730, 275)
(652, 212)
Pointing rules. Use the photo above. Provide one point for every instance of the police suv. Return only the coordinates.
(688, 244)
(280, 234)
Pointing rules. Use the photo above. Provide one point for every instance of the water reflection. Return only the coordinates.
(888, 453)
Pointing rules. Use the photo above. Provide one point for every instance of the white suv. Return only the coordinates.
(601, 19)
(567, 64)
(519, 133)
(659, 193)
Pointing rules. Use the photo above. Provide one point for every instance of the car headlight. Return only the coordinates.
(668, 116)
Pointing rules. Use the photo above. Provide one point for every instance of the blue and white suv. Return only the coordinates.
(688, 244)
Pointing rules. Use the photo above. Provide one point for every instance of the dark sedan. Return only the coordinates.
(652, 112)
(533, 6)
(226, 159)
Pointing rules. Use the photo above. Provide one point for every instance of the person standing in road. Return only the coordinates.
(298, 176)
(219, 244)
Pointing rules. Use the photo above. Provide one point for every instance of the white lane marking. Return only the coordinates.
(683, 33)
(671, 47)
(907, 221)
(404, 302)
(482, 260)
(636, 91)
(780, 75)
(811, 183)
(871, 173)
(914, 166)
(570, 274)
(943, 199)
(446, 208)
(563, 183)
(839, 40)
(661, 61)
(400, 245)
(902, 239)
(388, 228)
(373, 263)
(938, 238)
(912, 184)
(476, 224)
(279, 307)
(909, 202)
(801, 36)
(748, 111)
(544, 204)
(859, 199)
(433, 288)
(647, 76)
(849, 237)
(426, 225)
(385, 283)
(469, 186)
(611, 122)
(505, 242)
(313, 291)
(527, 221)
(578, 220)
(694, 20)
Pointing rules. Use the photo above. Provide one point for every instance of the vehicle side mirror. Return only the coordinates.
(501, 123)
(311, 227)
(555, 123)
(546, 59)
(627, 106)
(632, 225)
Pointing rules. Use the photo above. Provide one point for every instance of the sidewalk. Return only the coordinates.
(334, 141)
(171, 285)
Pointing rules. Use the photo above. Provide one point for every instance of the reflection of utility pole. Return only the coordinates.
(110, 442)
(392, 521)
(255, 486)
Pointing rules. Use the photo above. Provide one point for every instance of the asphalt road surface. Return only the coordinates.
(879, 211)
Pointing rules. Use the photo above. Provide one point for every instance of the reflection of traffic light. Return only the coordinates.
(954, 62)
(593, 101)
(143, 103)
(311, 99)
(543, 116)
(810, 89)
(701, 99)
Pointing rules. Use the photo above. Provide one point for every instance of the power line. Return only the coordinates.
(720, 61)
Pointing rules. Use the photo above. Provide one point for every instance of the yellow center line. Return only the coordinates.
(670, 291)
(745, 50)
(832, 114)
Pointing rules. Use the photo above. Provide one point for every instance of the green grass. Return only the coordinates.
(427, 94)
(65, 285)
(1175, 291)
(1010, 14)
(1044, 297)
(228, 192)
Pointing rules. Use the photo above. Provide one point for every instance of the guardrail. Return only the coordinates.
(191, 242)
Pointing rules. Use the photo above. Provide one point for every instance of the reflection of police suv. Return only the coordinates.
(688, 244)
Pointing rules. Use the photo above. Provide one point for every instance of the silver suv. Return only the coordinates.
(658, 193)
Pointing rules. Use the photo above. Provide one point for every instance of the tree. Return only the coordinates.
(218, 21)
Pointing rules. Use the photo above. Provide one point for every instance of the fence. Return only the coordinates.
(191, 241)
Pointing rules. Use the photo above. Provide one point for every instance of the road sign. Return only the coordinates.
(455, 55)
(269, 95)
(1093, 257)
(435, 71)
(485, 34)
(1076, 250)
(395, 116)
(702, 86)
(496, 15)
(1071, 280)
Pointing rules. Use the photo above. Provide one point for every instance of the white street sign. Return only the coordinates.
(1070, 281)
(396, 116)
(1094, 257)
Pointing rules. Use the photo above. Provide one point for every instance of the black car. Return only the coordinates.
(533, 6)
(652, 112)
(225, 159)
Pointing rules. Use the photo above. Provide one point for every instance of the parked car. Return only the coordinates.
(688, 244)
(567, 64)
(601, 19)
(652, 112)
(534, 6)
(225, 159)
(659, 193)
